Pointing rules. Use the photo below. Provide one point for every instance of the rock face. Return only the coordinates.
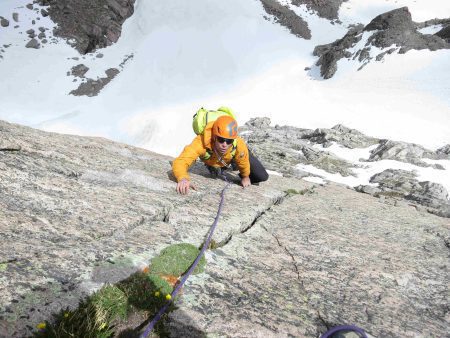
(290, 259)
(287, 18)
(393, 28)
(89, 24)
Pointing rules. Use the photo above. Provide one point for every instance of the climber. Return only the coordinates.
(219, 147)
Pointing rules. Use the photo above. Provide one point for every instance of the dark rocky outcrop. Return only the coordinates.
(327, 9)
(92, 87)
(391, 28)
(287, 18)
(397, 27)
(290, 258)
(88, 25)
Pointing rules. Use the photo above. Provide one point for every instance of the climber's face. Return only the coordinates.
(222, 144)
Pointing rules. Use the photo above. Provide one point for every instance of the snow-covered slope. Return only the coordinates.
(176, 56)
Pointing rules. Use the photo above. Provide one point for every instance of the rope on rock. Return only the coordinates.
(336, 329)
(191, 269)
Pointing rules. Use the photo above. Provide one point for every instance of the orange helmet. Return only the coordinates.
(225, 126)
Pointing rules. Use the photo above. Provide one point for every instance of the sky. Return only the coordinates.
(188, 55)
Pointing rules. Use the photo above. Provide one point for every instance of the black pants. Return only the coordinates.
(257, 171)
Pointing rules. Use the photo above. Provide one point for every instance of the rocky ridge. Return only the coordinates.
(287, 18)
(390, 32)
(283, 148)
(79, 212)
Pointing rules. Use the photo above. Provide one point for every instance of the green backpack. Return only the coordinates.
(202, 117)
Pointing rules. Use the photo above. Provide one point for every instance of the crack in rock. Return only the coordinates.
(276, 201)
(294, 261)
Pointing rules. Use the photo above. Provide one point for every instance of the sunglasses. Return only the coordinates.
(226, 140)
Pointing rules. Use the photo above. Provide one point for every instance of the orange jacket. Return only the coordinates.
(199, 147)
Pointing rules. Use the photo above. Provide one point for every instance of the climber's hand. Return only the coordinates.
(183, 186)
(245, 181)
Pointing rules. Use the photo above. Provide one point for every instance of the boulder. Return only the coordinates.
(79, 70)
(4, 22)
(33, 43)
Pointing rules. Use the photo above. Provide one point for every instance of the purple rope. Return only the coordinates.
(344, 328)
(191, 269)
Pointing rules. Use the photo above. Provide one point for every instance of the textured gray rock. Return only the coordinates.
(444, 152)
(444, 33)
(287, 18)
(333, 258)
(282, 148)
(391, 28)
(402, 151)
(350, 138)
(33, 43)
(76, 212)
(90, 24)
(15, 17)
(4, 22)
(402, 184)
(79, 70)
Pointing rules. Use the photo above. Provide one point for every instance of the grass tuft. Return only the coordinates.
(148, 291)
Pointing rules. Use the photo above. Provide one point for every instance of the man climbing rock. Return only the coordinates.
(219, 147)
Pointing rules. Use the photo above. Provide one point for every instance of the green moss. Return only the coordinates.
(176, 260)
(296, 192)
(3, 266)
(98, 314)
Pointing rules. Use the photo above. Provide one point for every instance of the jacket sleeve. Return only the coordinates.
(242, 158)
(187, 157)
